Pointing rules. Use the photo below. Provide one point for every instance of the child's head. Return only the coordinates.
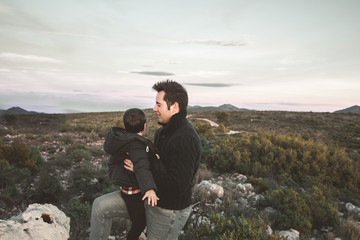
(134, 120)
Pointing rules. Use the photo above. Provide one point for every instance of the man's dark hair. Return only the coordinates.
(134, 120)
(174, 92)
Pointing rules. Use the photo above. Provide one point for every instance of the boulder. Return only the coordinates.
(291, 234)
(210, 187)
(245, 187)
(39, 221)
(352, 208)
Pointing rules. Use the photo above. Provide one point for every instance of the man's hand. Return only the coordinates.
(151, 196)
(129, 165)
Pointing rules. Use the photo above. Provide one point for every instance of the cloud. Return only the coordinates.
(154, 73)
(209, 73)
(14, 57)
(77, 35)
(4, 8)
(213, 84)
(238, 43)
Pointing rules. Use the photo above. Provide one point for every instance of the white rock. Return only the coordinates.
(291, 234)
(245, 187)
(40, 222)
(350, 207)
(239, 177)
(212, 188)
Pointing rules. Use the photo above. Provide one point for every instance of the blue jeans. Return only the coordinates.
(104, 209)
(164, 224)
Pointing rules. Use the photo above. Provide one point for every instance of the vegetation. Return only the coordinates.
(304, 164)
(222, 228)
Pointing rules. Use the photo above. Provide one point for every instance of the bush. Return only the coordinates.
(293, 210)
(79, 214)
(17, 153)
(48, 189)
(20, 155)
(204, 129)
(14, 183)
(322, 210)
(284, 157)
(88, 182)
(227, 228)
(349, 229)
(223, 118)
(79, 152)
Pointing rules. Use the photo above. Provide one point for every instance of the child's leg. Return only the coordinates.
(136, 212)
(104, 209)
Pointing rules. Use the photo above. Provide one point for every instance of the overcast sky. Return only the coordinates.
(91, 55)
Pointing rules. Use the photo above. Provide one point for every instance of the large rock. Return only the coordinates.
(210, 187)
(40, 222)
(291, 234)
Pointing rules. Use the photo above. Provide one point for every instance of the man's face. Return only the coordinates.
(164, 114)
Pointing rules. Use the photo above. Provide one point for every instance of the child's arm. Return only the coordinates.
(151, 196)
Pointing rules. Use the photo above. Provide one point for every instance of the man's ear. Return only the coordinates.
(175, 108)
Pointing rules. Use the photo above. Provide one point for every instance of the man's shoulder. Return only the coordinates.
(186, 131)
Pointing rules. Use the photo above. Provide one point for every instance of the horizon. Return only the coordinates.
(123, 110)
(94, 56)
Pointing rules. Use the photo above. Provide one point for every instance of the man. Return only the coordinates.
(179, 147)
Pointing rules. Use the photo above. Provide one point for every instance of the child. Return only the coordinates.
(138, 185)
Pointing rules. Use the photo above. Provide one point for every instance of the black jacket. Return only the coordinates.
(179, 146)
(117, 144)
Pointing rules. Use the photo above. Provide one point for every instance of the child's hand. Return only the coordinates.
(151, 196)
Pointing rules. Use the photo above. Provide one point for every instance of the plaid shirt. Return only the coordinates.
(130, 190)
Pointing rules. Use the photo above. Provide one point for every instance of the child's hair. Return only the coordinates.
(134, 120)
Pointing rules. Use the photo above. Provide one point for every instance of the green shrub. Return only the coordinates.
(20, 155)
(223, 118)
(79, 155)
(79, 152)
(204, 129)
(17, 153)
(79, 214)
(48, 189)
(88, 182)
(10, 119)
(67, 139)
(286, 158)
(14, 183)
(37, 157)
(293, 210)
(323, 212)
(260, 184)
(227, 228)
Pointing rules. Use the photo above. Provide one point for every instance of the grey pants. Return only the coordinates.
(164, 224)
(104, 209)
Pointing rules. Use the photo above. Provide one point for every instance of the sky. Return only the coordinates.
(95, 56)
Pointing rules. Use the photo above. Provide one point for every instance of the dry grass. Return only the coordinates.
(350, 229)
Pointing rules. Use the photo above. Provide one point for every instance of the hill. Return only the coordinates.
(16, 111)
(353, 109)
(222, 108)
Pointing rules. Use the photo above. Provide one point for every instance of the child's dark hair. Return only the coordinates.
(134, 120)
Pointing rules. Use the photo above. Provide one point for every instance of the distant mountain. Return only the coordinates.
(222, 108)
(353, 109)
(16, 111)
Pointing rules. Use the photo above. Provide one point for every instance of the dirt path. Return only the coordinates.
(214, 124)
